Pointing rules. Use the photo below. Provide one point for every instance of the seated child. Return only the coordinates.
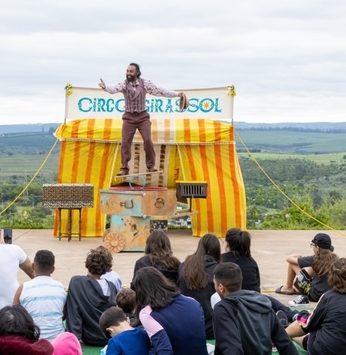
(126, 300)
(124, 339)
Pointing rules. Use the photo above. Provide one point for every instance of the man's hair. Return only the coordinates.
(99, 261)
(126, 300)
(44, 261)
(229, 275)
(113, 316)
(137, 68)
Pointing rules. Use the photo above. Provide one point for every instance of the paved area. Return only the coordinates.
(269, 249)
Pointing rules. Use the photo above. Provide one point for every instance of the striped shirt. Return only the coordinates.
(44, 298)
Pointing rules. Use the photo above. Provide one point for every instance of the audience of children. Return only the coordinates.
(196, 276)
(158, 253)
(43, 297)
(179, 319)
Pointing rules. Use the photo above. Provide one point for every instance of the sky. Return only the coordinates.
(286, 59)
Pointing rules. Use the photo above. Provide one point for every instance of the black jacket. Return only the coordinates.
(148, 260)
(249, 269)
(85, 303)
(245, 324)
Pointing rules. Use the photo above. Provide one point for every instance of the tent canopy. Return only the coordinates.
(186, 150)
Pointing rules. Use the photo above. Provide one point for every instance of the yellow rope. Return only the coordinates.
(32, 179)
(283, 193)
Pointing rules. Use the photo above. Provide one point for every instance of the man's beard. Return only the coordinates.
(130, 78)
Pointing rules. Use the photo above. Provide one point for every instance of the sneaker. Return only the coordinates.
(151, 170)
(282, 318)
(300, 301)
(274, 348)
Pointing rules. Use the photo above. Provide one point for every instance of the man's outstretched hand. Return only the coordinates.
(102, 84)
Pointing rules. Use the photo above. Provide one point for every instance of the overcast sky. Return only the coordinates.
(287, 59)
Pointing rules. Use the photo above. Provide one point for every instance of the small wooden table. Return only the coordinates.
(69, 223)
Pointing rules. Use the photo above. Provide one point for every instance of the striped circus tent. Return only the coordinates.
(186, 150)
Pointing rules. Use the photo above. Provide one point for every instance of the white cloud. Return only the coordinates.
(287, 59)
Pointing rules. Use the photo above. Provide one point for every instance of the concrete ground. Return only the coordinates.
(269, 249)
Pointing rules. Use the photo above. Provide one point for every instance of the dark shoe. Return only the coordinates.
(282, 318)
(151, 170)
(300, 301)
(123, 172)
(279, 290)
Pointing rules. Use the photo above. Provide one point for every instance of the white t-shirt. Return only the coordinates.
(11, 256)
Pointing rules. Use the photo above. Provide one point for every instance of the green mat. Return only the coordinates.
(91, 350)
(95, 350)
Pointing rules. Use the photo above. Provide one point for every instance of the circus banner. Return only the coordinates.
(211, 103)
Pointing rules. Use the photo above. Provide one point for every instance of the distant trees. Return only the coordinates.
(316, 188)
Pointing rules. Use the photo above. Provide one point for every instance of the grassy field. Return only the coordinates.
(25, 166)
(22, 154)
(336, 158)
(292, 142)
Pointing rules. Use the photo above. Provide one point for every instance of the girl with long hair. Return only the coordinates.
(323, 332)
(317, 266)
(196, 276)
(158, 253)
(174, 323)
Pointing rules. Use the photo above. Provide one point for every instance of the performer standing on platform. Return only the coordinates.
(136, 116)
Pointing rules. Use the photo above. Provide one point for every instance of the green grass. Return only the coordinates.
(331, 158)
(25, 166)
(292, 141)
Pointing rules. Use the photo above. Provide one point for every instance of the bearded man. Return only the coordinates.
(134, 89)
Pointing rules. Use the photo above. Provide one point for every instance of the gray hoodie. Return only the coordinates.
(245, 324)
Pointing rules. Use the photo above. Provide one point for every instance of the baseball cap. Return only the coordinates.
(323, 241)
